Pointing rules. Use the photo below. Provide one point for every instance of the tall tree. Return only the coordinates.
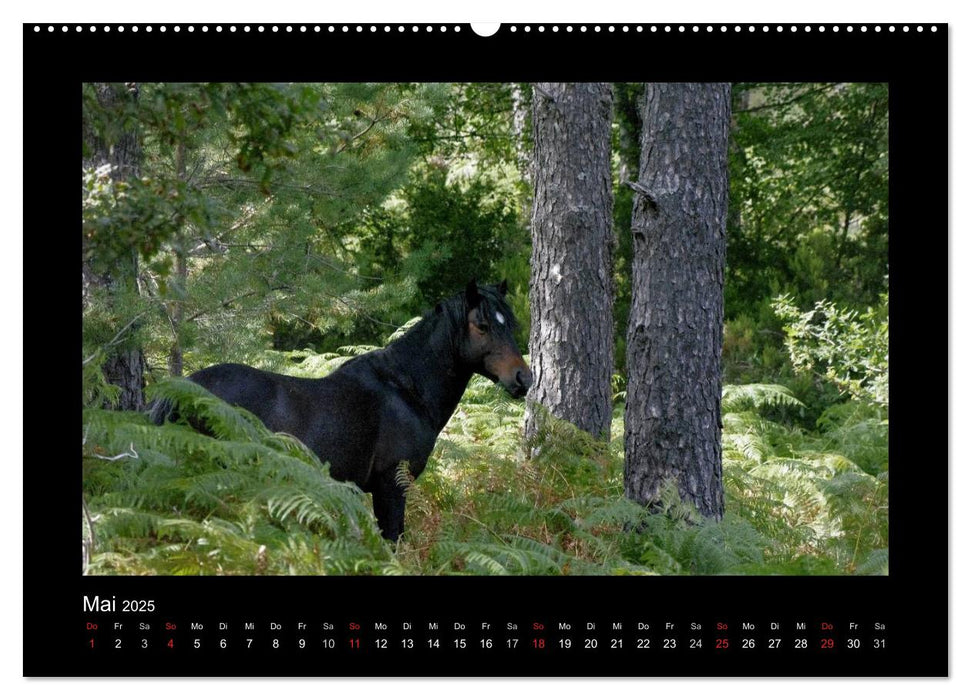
(674, 336)
(571, 336)
(114, 154)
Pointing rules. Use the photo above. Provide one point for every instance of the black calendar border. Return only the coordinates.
(914, 597)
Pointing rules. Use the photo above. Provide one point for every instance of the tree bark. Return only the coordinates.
(124, 366)
(674, 336)
(177, 307)
(571, 332)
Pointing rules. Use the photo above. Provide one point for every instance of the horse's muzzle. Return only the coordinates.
(522, 381)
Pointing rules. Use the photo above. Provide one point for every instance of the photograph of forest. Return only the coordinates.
(485, 329)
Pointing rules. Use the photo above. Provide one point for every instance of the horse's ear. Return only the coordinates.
(472, 294)
(439, 309)
(503, 287)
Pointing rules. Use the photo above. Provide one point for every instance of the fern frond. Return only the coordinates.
(876, 563)
(739, 397)
(398, 332)
(221, 419)
(519, 556)
(355, 350)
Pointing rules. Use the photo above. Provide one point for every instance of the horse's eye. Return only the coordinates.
(483, 327)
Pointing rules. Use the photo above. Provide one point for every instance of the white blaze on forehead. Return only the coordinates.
(500, 318)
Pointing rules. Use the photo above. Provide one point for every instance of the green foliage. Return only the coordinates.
(245, 212)
(459, 229)
(170, 500)
(124, 217)
(847, 347)
(809, 174)
(807, 220)
(474, 123)
(824, 512)
(795, 505)
(737, 398)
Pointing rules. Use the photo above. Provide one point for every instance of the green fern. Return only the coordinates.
(172, 500)
(738, 397)
(517, 556)
(167, 499)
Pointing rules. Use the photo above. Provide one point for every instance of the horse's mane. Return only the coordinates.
(440, 327)
(456, 308)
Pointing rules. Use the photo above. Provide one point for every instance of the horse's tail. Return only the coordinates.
(161, 410)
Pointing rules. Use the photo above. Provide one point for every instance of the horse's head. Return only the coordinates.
(489, 346)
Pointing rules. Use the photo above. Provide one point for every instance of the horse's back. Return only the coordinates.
(241, 385)
(337, 416)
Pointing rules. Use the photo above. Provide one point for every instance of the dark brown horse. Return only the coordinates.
(389, 405)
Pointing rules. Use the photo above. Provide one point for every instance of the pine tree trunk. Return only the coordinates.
(177, 310)
(125, 364)
(571, 333)
(674, 337)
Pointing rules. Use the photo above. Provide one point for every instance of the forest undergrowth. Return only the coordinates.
(169, 500)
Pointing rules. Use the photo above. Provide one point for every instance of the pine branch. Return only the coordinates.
(225, 304)
(114, 341)
(373, 122)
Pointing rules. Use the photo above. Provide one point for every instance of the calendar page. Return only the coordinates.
(529, 350)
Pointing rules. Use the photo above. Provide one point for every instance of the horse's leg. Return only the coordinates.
(389, 506)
